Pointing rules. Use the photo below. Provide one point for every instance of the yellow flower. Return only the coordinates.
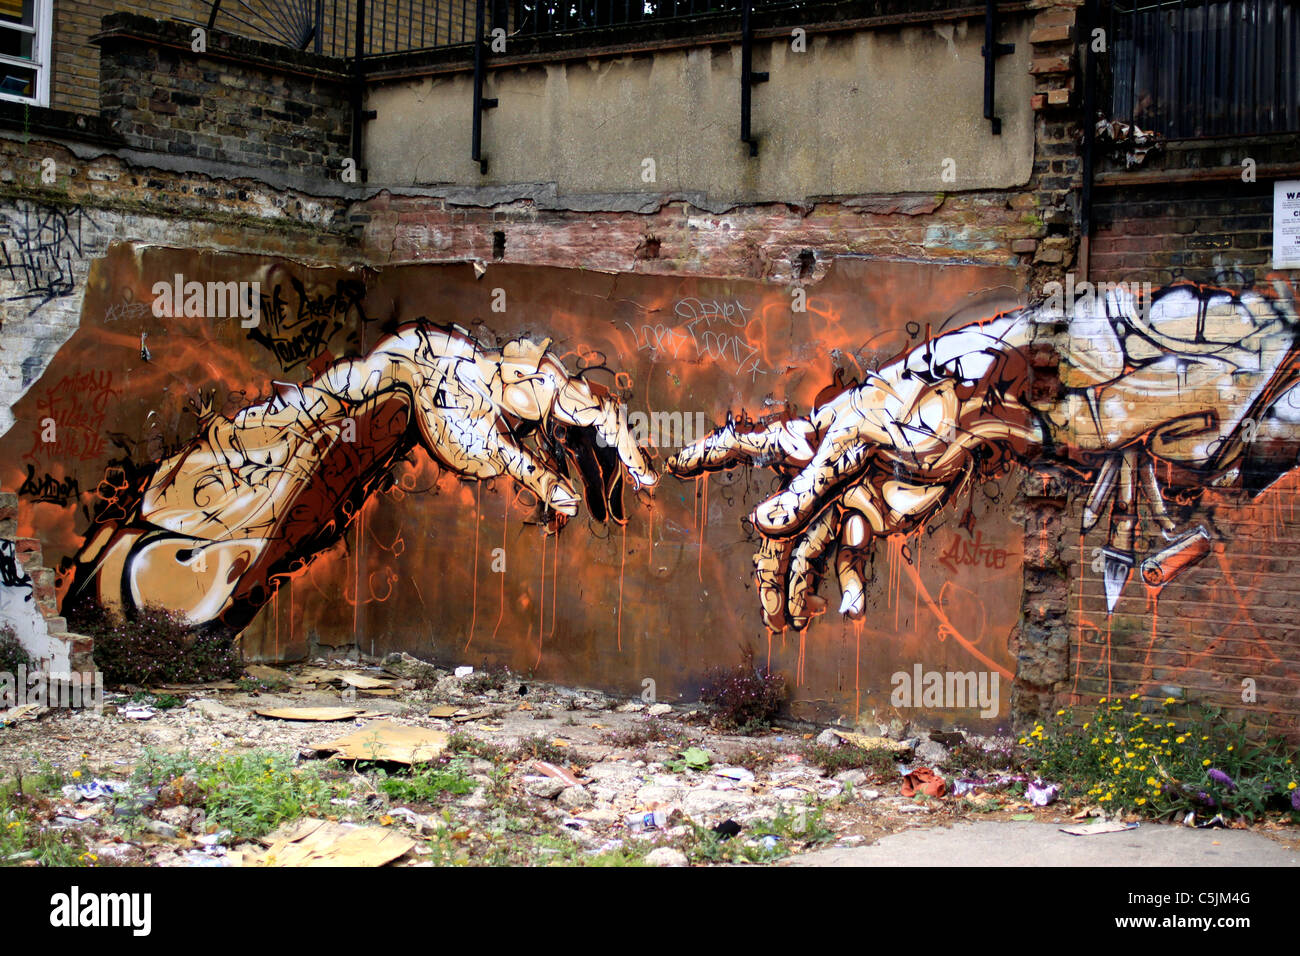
(1291, 785)
(1229, 746)
(1180, 740)
(76, 773)
(1151, 781)
(1060, 713)
(1169, 700)
(1205, 762)
(1141, 800)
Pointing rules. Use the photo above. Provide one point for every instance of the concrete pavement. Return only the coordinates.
(991, 843)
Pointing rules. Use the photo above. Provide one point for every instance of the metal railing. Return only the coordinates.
(411, 26)
(1189, 69)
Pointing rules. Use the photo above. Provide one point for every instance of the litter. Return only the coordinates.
(739, 774)
(463, 671)
(925, 781)
(650, 820)
(21, 712)
(93, 790)
(1042, 794)
(727, 829)
(1113, 826)
(558, 773)
(315, 713)
(384, 740)
(138, 713)
(865, 742)
(314, 842)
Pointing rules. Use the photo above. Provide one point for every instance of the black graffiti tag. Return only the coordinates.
(48, 488)
(11, 575)
(38, 244)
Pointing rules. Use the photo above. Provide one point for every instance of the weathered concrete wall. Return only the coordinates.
(866, 112)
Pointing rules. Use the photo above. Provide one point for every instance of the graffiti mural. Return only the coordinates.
(213, 529)
(1194, 379)
(386, 461)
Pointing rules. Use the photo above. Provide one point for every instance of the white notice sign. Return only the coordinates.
(1286, 224)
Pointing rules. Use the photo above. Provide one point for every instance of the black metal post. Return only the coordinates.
(991, 51)
(747, 75)
(481, 102)
(359, 87)
(1089, 135)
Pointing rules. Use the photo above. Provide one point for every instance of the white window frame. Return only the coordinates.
(42, 30)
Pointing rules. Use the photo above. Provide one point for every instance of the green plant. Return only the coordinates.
(426, 785)
(649, 731)
(153, 645)
(1163, 767)
(539, 748)
(248, 794)
(461, 742)
(692, 758)
(746, 698)
(837, 759)
(12, 654)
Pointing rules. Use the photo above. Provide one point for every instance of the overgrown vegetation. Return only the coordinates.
(837, 759)
(12, 654)
(249, 794)
(747, 698)
(763, 842)
(24, 839)
(1163, 767)
(425, 785)
(154, 646)
(648, 731)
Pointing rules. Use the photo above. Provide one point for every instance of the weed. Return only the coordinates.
(482, 681)
(427, 785)
(539, 748)
(248, 794)
(754, 758)
(649, 731)
(154, 646)
(835, 760)
(692, 758)
(747, 698)
(1165, 768)
(764, 842)
(462, 743)
(12, 654)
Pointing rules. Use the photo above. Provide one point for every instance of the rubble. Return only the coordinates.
(537, 763)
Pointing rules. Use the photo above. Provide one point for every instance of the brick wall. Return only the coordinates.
(241, 102)
(75, 81)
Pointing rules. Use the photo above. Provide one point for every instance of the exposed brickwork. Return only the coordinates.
(751, 241)
(234, 104)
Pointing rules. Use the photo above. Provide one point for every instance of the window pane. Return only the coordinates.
(17, 11)
(15, 43)
(17, 81)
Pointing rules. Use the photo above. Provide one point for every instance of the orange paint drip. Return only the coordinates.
(704, 520)
(505, 524)
(541, 605)
(621, 566)
(857, 668)
(555, 583)
(478, 520)
(356, 603)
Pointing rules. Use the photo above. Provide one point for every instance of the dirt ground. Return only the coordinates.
(532, 774)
